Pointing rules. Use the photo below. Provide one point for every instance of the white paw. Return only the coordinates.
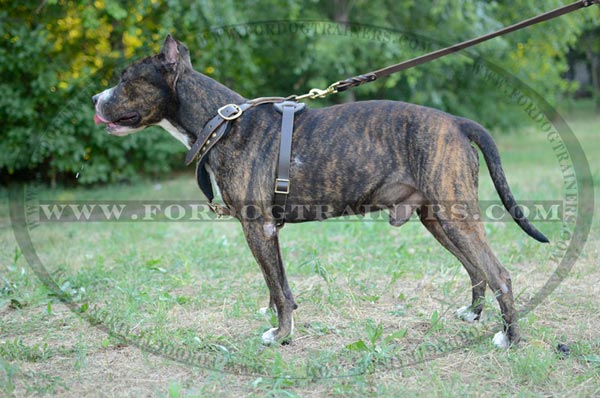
(501, 341)
(268, 337)
(466, 314)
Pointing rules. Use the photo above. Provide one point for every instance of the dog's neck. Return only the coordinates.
(198, 98)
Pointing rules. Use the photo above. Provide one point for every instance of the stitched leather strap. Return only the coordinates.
(202, 177)
(214, 130)
(282, 183)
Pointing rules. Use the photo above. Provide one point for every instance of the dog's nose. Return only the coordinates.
(95, 99)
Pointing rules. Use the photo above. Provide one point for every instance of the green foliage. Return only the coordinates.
(377, 348)
(54, 60)
(56, 54)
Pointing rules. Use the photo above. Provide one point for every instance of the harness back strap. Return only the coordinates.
(282, 182)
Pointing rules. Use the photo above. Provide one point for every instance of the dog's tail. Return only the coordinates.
(486, 144)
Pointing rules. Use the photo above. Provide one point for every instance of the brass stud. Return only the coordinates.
(207, 142)
(213, 135)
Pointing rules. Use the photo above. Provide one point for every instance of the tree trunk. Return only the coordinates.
(341, 15)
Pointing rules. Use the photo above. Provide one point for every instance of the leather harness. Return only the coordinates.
(217, 127)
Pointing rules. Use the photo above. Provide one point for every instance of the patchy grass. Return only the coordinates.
(376, 312)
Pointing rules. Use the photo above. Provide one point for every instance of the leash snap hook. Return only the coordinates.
(315, 93)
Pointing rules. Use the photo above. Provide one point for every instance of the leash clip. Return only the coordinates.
(315, 93)
(236, 108)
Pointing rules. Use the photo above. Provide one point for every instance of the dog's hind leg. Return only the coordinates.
(449, 175)
(468, 238)
(471, 312)
(268, 255)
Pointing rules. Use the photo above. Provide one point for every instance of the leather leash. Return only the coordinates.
(355, 81)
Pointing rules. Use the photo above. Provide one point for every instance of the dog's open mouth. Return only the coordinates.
(122, 125)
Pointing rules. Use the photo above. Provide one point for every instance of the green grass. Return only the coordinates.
(376, 304)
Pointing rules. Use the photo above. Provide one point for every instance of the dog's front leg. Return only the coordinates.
(266, 251)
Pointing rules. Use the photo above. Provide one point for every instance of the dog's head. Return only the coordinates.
(145, 93)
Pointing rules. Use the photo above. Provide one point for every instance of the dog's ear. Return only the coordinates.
(169, 50)
(175, 54)
(184, 55)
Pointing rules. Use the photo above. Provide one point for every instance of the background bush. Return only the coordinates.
(55, 54)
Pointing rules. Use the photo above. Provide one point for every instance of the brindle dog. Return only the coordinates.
(352, 158)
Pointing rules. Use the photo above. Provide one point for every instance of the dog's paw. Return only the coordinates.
(466, 314)
(273, 336)
(278, 336)
(270, 336)
(501, 341)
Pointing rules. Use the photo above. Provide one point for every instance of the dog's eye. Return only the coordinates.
(125, 78)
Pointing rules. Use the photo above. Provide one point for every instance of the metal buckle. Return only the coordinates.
(285, 186)
(238, 112)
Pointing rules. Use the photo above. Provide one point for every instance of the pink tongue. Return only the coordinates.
(99, 120)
